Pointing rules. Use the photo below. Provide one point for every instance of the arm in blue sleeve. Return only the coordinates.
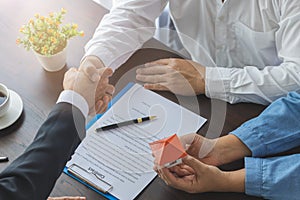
(275, 130)
(273, 178)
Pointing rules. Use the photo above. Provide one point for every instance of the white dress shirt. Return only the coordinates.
(251, 48)
(72, 97)
(75, 99)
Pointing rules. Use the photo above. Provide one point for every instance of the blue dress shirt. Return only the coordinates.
(275, 130)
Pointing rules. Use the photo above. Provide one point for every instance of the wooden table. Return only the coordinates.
(21, 72)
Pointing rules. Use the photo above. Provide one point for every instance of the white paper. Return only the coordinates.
(123, 155)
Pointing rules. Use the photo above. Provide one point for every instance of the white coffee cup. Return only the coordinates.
(4, 99)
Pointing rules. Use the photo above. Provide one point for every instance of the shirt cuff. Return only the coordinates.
(254, 176)
(250, 136)
(109, 59)
(99, 52)
(69, 96)
(217, 82)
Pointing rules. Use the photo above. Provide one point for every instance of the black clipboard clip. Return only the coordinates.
(96, 180)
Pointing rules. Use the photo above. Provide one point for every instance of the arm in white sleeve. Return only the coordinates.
(75, 99)
(249, 84)
(72, 97)
(129, 24)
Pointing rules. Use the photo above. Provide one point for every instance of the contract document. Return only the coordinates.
(122, 157)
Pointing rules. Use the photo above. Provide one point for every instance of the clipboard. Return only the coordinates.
(73, 169)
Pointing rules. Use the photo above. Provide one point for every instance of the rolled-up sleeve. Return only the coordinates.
(275, 130)
(273, 178)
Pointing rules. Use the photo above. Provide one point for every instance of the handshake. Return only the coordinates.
(91, 81)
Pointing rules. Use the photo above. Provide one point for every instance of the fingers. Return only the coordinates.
(70, 78)
(188, 181)
(99, 106)
(66, 198)
(104, 89)
(167, 176)
(71, 72)
(106, 100)
(187, 140)
(156, 69)
(110, 89)
(157, 87)
(182, 170)
(105, 72)
(172, 180)
(102, 104)
(158, 62)
(92, 73)
(154, 74)
(195, 164)
(152, 79)
(103, 86)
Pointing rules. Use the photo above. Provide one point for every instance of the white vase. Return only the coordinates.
(54, 62)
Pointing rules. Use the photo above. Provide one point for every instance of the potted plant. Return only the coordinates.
(48, 38)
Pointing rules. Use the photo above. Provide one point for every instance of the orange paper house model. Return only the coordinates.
(168, 151)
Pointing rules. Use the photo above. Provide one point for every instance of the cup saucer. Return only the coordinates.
(14, 111)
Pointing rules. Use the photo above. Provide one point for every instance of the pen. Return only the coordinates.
(3, 159)
(133, 121)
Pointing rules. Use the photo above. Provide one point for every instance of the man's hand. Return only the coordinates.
(94, 91)
(183, 77)
(217, 151)
(193, 176)
(201, 148)
(91, 65)
(66, 198)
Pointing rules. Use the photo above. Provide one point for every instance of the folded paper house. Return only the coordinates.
(168, 152)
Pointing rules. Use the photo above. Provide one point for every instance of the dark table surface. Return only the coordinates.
(21, 72)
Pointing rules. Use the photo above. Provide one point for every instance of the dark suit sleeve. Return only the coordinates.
(33, 174)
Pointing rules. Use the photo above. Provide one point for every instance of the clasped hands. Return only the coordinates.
(199, 173)
(91, 81)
